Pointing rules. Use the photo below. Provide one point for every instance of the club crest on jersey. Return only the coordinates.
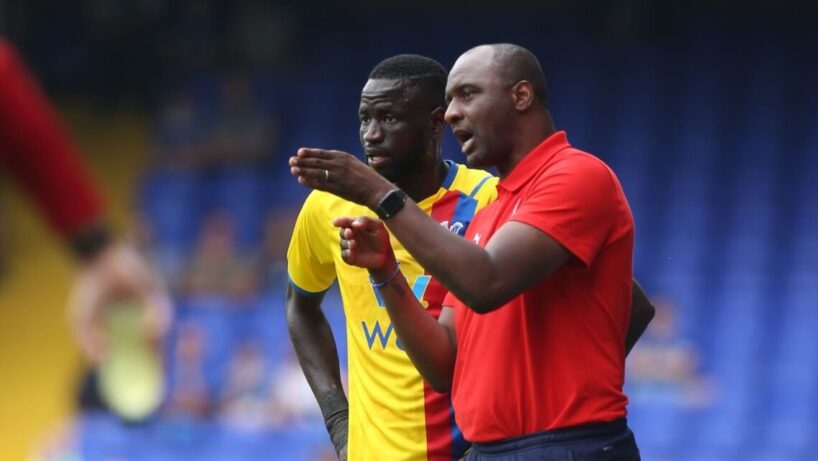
(457, 227)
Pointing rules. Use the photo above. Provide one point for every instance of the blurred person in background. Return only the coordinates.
(243, 134)
(167, 264)
(38, 155)
(244, 403)
(190, 396)
(180, 132)
(292, 401)
(237, 132)
(665, 366)
(216, 268)
(271, 257)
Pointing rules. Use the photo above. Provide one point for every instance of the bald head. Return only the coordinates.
(497, 105)
(515, 63)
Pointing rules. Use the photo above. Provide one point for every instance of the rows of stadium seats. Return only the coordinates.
(718, 156)
(225, 325)
(721, 176)
(177, 201)
(105, 437)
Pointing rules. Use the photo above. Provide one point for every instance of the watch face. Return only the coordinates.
(391, 203)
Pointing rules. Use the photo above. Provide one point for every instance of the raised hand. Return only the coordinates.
(341, 174)
(365, 243)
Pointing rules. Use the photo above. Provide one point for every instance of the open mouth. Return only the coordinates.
(462, 135)
(376, 159)
(465, 137)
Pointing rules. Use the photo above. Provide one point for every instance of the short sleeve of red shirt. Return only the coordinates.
(574, 202)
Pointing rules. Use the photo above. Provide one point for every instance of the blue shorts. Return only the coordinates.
(598, 442)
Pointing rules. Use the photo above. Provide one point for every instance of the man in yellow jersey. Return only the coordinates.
(392, 412)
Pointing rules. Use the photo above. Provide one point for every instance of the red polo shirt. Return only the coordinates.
(553, 357)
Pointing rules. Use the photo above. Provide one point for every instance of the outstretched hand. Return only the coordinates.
(365, 243)
(339, 173)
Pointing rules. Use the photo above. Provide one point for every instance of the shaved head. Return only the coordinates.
(516, 63)
(421, 72)
(497, 105)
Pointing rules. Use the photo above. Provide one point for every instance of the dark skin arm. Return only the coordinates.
(314, 345)
(642, 312)
(437, 249)
(428, 342)
(517, 256)
(431, 344)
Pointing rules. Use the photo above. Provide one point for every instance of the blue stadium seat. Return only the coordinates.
(172, 201)
(240, 193)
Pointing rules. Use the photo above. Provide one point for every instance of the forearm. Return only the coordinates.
(314, 345)
(642, 312)
(428, 343)
(464, 268)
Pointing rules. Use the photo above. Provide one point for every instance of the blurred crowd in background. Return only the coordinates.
(706, 113)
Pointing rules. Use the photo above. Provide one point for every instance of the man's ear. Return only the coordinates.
(438, 123)
(522, 94)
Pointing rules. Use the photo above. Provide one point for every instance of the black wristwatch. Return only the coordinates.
(391, 203)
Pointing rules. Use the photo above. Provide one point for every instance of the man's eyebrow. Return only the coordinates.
(380, 108)
(456, 88)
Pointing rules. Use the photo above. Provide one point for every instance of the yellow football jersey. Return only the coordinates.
(393, 414)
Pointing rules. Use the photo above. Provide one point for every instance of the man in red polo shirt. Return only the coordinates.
(532, 346)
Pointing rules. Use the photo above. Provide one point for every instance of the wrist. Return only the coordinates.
(379, 275)
(335, 410)
(391, 204)
(378, 194)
